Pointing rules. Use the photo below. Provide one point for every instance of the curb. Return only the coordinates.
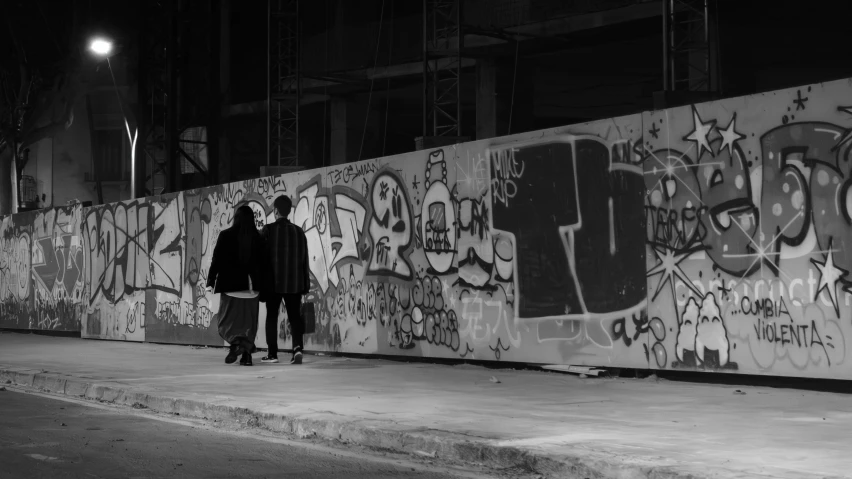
(433, 444)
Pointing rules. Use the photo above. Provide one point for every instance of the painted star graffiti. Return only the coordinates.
(668, 265)
(655, 131)
(730, 135)
(799, 101)
(829, 276)
(700, 133)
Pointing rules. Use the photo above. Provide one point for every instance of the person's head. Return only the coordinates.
(282, 206)
(243, 217)
(246, 231)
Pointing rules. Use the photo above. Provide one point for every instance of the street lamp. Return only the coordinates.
(102, 48)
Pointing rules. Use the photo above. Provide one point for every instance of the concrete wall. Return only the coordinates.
(524, 248)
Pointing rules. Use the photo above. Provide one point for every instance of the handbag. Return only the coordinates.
(309, 317)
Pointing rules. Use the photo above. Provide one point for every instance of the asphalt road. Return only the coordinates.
(45, 437)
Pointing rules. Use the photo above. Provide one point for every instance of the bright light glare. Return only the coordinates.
(99, 46)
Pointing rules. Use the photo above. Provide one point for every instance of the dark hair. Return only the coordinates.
(246, 232)
(283, 204)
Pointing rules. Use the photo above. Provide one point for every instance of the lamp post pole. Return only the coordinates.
(103, 48)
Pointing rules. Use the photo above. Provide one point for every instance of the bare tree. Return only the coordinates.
(37, 98)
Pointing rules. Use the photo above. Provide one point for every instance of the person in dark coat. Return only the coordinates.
(236, 273)
(289, 278)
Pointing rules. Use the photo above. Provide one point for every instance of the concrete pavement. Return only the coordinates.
(558, 425)
(47, 438)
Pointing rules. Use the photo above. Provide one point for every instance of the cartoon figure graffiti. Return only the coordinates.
(438, 224)
(711, 337)
(702, 339)
(685, 346)
(390, 227)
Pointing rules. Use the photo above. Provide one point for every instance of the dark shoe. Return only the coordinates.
(246, 360)
(297, 358)
(232, 355)
(267, 359)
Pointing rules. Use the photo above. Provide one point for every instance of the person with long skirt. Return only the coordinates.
(235, 273)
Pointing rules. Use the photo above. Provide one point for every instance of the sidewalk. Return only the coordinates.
(562, 426)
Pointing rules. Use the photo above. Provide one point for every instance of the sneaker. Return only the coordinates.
(297, 358)
(267, 359)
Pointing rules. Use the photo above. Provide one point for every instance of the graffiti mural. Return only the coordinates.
(118, 270)
(57, 269)
(390, 226)
(546, 259)
(747, 230)
(710, 237)
(17, 307)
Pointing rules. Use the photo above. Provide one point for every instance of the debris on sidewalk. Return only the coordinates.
(739, 392)
(579, 370)
(494, 380)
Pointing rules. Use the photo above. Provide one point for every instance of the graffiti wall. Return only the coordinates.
(709, 237)
(16, 284)
(748, 223)
(41, 270)
(488, 250)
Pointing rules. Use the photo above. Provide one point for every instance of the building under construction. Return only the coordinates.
(223, 90)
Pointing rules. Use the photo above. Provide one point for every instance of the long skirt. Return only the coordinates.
(237, 319)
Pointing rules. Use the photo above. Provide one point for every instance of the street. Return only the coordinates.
(47, 437)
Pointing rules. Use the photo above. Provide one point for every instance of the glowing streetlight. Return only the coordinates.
(101, 47)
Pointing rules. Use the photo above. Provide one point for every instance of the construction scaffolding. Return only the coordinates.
(443, 42)
(690, 52)
(179, 103)
(284, 83)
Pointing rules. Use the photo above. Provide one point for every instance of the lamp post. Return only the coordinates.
(103, 48)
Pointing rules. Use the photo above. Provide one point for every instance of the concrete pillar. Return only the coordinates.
(501, 95)
(340, 137)
(522, 109)
(486, 99)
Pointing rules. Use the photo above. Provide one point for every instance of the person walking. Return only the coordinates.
(235, 273)
(289, 278)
